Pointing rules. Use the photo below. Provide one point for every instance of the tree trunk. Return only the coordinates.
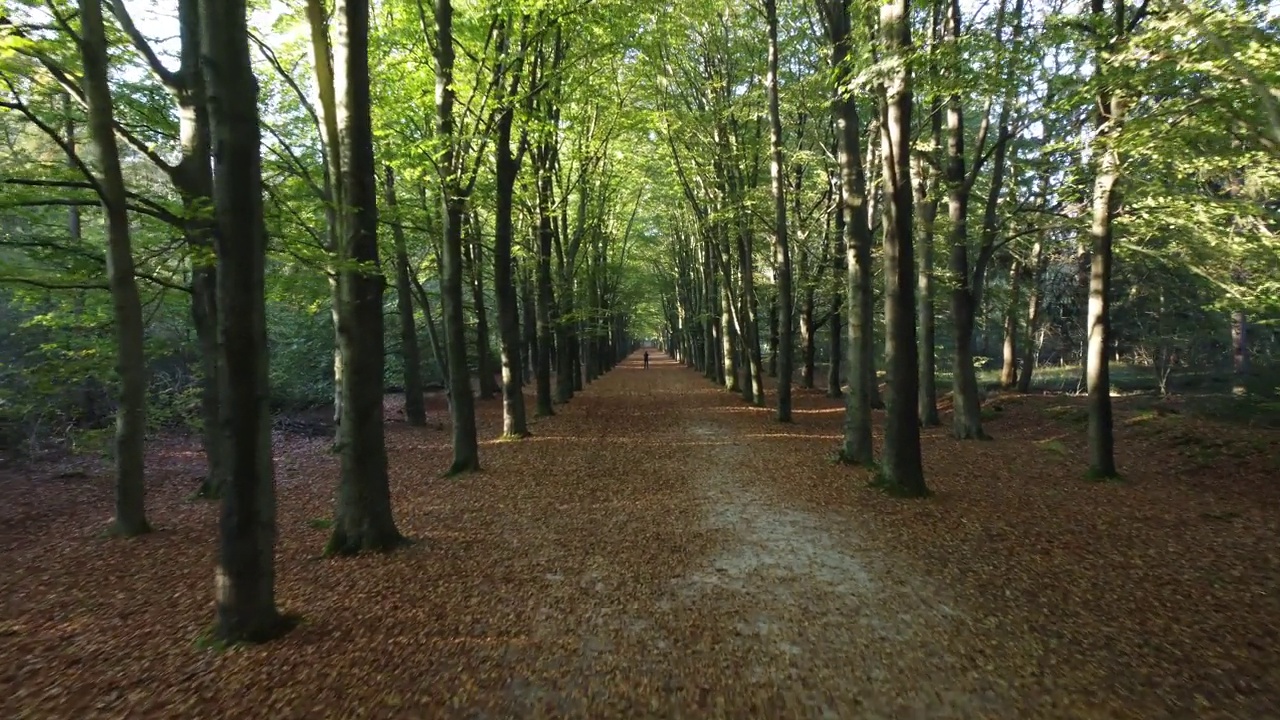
(1110, 116)
(529, 323)
(856, 447)
(753, 390)
(362, 519)
(807, 339)
(728, 337)
(484, 365)
(415, 411)
(925, 178)
(1239, 353)
(514, 422)
(782, 246)
(1009, 370)
(245, 589)
(131, 368)
(545, 297)
(772, 368)
(1029, 348)
(901, 468)
(335, 214)
(462, 409)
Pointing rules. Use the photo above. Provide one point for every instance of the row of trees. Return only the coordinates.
(1016, 149)
(268, 182)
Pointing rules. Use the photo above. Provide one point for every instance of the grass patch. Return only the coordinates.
(1054, 446)
(320, 523)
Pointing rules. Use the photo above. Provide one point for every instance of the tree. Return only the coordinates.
(782, 249)
(245, 590)
(1109, 120)
(131, 415)
(514, 422)
(454, 191)
(363, 519)
(901, 468)
(856, 448)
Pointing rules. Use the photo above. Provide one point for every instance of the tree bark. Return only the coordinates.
(462, 409)
(782, 246)
(529, 323)
(1239, 353)
(1029, 349)
(1009, 368)
(856, 447)
(131, 369)
(514, 421)
(484, 357)
(363, 520)
(901, 468)
(245, 589)
(1110, 117)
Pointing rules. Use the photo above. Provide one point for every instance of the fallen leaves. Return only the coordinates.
(659, 549)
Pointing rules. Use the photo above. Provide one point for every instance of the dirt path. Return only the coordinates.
(776, 612)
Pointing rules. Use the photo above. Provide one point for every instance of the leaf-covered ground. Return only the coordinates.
(660, 550)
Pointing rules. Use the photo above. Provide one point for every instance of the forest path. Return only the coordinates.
(781, 611)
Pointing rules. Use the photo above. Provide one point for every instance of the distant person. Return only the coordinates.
(646, 359)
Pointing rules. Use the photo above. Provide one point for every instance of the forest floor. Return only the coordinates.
(658, 549)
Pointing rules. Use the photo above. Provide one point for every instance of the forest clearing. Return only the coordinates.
(659, 549)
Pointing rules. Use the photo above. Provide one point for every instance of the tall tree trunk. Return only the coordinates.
(901, 468)
(415, 411)
(856, 447)
(545, 297)
(362, 518)
(245, 589)
(966, 419)
(836, 327)
(925, 177)
(514, 422)
(782, 246)
(322, 62)
(462, 409)
(1009, 370)
(1106, 198)
(126, 306)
